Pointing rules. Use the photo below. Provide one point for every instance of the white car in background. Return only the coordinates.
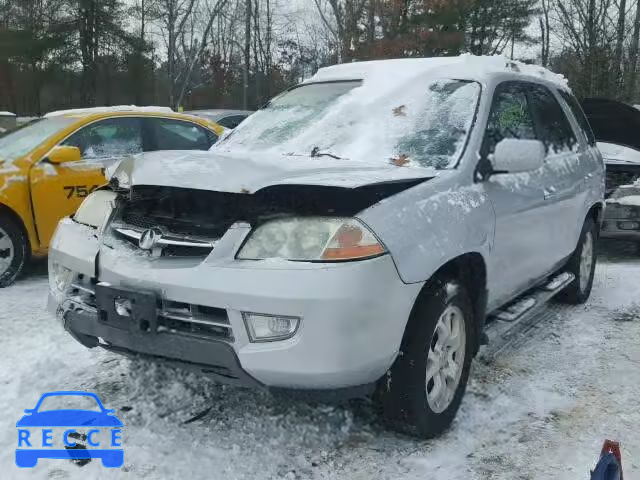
(616, 127)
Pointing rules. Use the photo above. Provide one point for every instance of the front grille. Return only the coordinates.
(190, 319)
(196, 213)
(184, 215)
(170, 245)
(172, 317)
(83, 290)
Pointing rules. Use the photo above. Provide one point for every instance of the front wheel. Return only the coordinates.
(424, 388)
(13, 251)
(582, 265)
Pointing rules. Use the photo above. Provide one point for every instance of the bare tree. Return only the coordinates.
(617, 59)
(545, 32)
(197, 54)
(174, 15)
(633, 56)
(343, 22)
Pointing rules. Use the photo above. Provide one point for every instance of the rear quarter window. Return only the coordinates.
(579, 115)
(552, 124)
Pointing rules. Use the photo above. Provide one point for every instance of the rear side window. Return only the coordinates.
(171, 134)
(553, 126)
(112, 137)
(510, 116)
(232, 121)
(581, 118)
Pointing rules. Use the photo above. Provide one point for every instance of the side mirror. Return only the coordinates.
(515, 156)
(64, 154)
(29, 410)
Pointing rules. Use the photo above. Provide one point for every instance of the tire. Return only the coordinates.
(582, 265)
(408, 398)
(13, 251)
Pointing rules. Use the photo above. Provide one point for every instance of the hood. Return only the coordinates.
(242, 174)
(613, 121)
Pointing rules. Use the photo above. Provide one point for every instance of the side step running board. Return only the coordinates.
(506, 327)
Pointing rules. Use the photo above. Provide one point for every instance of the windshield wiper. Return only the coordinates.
(315, 153)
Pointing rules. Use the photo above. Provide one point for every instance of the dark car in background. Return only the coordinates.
(616, 127)
(227, 118)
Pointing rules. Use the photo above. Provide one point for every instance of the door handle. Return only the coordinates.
(550, 193)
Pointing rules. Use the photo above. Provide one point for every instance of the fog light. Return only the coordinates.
(269, 328)
(60, 279)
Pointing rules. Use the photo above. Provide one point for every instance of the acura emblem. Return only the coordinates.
(149, 238)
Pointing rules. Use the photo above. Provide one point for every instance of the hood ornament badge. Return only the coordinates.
(150, 239)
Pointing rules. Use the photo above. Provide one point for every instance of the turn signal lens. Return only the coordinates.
(352, 241)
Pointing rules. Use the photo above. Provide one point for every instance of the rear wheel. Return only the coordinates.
(582, 265)
(13, 251)
(424, 388)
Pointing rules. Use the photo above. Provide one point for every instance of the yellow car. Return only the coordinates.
(49, 166)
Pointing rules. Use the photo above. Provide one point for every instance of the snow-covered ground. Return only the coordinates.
(541, 411)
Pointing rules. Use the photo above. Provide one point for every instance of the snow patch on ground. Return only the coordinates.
(537, 412)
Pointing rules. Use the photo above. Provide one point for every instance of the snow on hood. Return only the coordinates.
(239, 174)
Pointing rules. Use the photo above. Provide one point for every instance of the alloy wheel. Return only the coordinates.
(445, 359)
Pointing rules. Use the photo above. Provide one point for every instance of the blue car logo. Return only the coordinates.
(35, 431)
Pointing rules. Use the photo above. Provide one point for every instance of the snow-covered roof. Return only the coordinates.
(464, 67)
(116, 108)
(7, 114)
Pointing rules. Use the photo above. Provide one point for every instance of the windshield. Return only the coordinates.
(25, 139)
(424, 124)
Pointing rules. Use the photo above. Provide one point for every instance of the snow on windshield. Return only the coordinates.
(417, 123)
(23, 140)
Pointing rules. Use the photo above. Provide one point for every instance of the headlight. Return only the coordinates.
(314, 238)
(60, 279)
(96, 208)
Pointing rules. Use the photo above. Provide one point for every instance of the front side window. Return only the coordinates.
(112, 137)
(422, 123)
(178, 135)
(554, 127)
(510, 117)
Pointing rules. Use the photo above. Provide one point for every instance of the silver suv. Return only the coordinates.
(365, 231)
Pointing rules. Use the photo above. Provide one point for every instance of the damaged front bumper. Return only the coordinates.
(352, 315)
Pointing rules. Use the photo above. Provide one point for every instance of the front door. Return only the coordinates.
(523, 232)
(58, 190)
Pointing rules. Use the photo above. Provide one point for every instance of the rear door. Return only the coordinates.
(58, 190)
(522, 233)
(564, 172)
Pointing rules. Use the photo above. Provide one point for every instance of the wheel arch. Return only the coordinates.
(470, 269)
(17, 219)
(597, 213)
